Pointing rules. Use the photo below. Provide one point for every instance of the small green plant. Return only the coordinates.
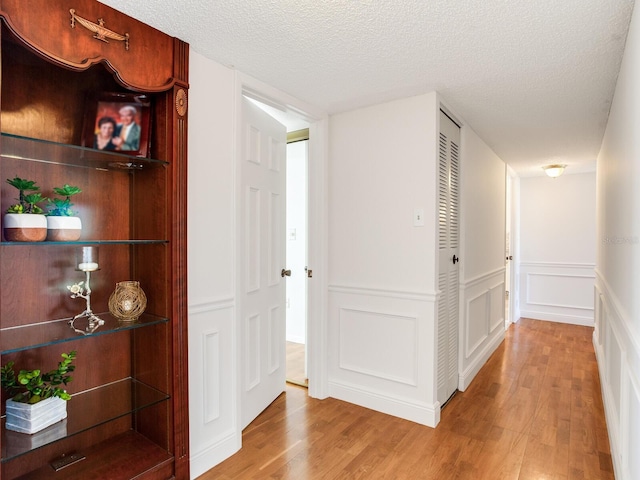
(61, 207)
(27, 202)
(32, 386)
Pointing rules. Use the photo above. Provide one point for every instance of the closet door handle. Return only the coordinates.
(455, 259)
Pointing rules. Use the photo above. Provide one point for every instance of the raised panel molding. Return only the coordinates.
(252, 240)
(483, 312)
(211, 354)
(274, 234)
(476, 322)
(571, 283)
(275, 342)
(381, 351)
(496, 306)
(631, 434)
(618, 354)
(253, 145)
(212, 394)
(277, 153)
(379, 344)
(561, 292)
(252, 362)
(482, 318)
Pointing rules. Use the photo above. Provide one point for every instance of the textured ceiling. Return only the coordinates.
(534, 79)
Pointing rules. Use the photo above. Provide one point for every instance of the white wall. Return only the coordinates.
(617, 330)
(381, 331)
(382, 167)
(213, 400)
(382, 287)
(482, 255)
(557, 247)
(297, 241)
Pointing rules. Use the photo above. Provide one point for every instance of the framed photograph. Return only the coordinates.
(118, 122)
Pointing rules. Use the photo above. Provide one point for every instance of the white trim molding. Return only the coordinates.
(560, 292)
(381, 351)
(616, 342)
(482, 309)
(386, 402)
(431, 296)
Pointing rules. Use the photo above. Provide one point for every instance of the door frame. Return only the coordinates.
(513, 200)
(317, 229)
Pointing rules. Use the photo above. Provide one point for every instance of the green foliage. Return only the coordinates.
(61, 207)
(32, 386)
(27, 202)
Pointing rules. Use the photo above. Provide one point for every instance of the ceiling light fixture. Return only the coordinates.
(554, 170)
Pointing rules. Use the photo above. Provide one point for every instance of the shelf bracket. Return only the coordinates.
(101, 33)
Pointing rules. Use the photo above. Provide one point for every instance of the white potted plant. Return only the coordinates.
(25, 220)
(62, 223)
(37, 400)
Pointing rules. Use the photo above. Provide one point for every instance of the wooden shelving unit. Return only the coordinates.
(128, 415)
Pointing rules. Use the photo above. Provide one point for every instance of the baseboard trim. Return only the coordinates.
(214, 454)
(560, 318)
(422, 413)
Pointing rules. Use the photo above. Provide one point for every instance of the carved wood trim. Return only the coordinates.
(101, 32)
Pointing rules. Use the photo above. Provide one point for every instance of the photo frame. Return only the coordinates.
(118, 122)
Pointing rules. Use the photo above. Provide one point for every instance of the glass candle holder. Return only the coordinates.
(87, 259)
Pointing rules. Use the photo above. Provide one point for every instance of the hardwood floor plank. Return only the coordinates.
(533, 411)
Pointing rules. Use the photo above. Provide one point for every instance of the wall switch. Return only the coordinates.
(293, 235)
(418, 217)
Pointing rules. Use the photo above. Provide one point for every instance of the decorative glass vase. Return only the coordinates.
(128, 301)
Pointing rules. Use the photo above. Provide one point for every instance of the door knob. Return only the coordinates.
(455, 259)
(510, 257)
(284, 273)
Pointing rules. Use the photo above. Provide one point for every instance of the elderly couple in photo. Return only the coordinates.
(124, 136)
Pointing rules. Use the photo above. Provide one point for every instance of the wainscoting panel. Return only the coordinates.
(382, 347)
(366, 345)
(482, 315)
(476, 322)
(561, 292)
(617, 345)
(212, 392)
(497, 306)
(212, 362)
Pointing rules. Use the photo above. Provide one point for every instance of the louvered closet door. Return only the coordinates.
(448, 241)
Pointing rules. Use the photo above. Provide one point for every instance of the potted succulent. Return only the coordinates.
(37, 399)
(24, 221)
(62, 223)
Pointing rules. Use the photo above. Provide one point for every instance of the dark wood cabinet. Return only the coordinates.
(128, 415)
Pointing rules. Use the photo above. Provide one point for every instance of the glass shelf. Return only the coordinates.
(16, 339)
(89, 242)
(85, 410)
(44, 151)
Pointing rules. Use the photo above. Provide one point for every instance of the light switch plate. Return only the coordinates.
(418, 217)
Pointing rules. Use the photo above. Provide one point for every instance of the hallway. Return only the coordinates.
(533, 412)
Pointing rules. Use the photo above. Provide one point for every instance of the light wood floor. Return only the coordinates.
(296, 372)
(533, 412)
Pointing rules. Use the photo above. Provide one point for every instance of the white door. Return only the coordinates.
(448, 250)
(262, 244)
